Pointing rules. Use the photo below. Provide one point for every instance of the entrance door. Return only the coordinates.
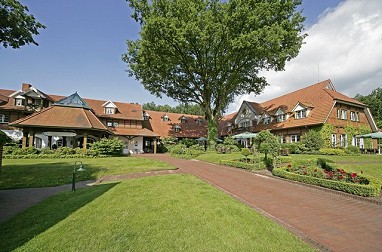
(148, 145)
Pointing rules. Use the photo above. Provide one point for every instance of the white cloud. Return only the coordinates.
(345, 45)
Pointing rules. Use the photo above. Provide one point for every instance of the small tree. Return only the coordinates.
(245, 152)
(268, 143)
(312, 140)
(3, 140)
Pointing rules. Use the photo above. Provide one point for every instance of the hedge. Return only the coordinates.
(42, 156)
(242, 165)
(373, 189)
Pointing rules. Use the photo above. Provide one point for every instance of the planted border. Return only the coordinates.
(373, 189)
(242, 165)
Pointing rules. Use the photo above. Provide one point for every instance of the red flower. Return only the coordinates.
(340, 177)
(289, 165)
(353, 175)
(356, 181)
(315, 170)
(305, 172)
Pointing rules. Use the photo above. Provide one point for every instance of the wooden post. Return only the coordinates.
(31, 139)
(24, 141)
(155, 146)
(85, 141)
(50, 142)
(1, 157)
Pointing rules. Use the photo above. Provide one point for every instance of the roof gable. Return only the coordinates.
(109, 104)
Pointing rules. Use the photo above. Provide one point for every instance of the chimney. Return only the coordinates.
(25, 86)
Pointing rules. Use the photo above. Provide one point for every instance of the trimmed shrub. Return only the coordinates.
(243, 165)
(108, 146)
(372, 189)
(352, 150)
(332, 151)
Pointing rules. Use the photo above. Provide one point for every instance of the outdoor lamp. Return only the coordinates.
(80, 169)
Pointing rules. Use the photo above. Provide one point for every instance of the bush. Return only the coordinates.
(243, 165)
(332, 151)
(372, 189)
(312, 141)
(182, 151)
(108, 146)
(25, 151)
(352, 150)
(65, 151)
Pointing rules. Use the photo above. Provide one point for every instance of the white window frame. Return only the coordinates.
(343, 140)
(281, 118)
(109, 124)
(199, 121)
(110, 111)
(294, 138)
(19, 102)
(353, 116)
(165, 118)
(344, 114)
(183, 120)
(177, 128)
(300, 114)
(267, 120)
(4, 118)
(115, 124)
(334, 140)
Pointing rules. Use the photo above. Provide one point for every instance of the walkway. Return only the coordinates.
(324, 219)
(14, 201)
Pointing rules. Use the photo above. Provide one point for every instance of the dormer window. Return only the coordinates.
(301, 114)
(109, 110)
(177, 128)
(229, 126)
(20, 101)
(302, 110)
(281, 117)
(110, 107)
(267, 120)
(183, 119)
(165, 118)
(146, 116)
(199, 121)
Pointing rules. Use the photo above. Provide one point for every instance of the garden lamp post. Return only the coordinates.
(80, 169)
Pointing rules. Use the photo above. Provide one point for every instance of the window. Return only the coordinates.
(354, 116)
(245, 124)
(38, 142)
(4, 118)
(19, 102)
(334, 140)
(267, 120)
(294, 138)
(281, 118)
(115, 124)
(338, 113)
(282, 139)
(165, 118)
(146, 116)
(301, 114)
(177, 128)
(229, 126)
(183, 120)
(109, 110)
(199, 121)
(344, 114)
(109, 124)
(343, 140)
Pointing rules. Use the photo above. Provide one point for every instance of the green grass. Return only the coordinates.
(39, 218)
(22, 173)
(213, 157)
(165, 213)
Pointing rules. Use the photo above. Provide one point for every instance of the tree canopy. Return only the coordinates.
(16, 26)
(374, 101)
(209, 51)
(193, 109)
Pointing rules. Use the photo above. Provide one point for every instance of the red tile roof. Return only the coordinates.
(132, 132)
(189, 129)
(62, 117)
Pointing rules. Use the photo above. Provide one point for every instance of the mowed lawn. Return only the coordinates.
(22, 173)
(163, 213)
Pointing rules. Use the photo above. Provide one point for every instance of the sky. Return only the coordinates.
(82, 46)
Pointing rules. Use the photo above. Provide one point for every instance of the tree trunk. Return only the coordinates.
(1, 157)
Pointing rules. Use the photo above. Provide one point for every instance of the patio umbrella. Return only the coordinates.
(244, 135)
(201, 139)
(375, 135)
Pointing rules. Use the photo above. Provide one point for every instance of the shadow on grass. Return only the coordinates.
(42, 174)
(35, 220)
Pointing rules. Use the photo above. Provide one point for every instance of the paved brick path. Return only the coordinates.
(323, 219)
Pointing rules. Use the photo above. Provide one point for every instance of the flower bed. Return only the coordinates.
(336, 179)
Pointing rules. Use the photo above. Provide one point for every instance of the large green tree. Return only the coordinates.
(209, 51)
(192, 109)
(17, 27)
(374, 101)
(3, 140)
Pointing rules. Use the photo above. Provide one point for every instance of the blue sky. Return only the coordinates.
(81, 48)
